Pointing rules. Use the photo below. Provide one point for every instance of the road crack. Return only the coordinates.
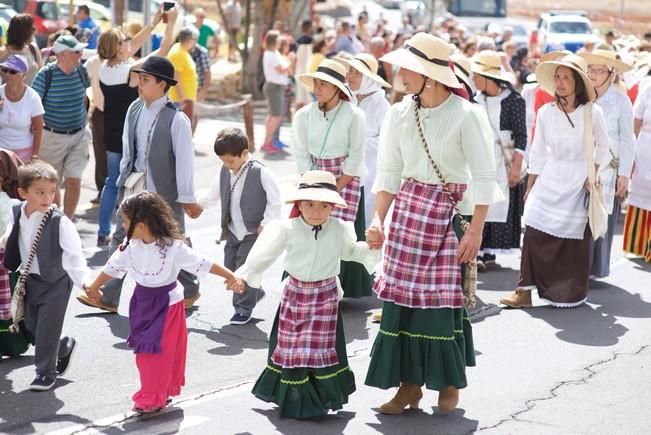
(590, 372)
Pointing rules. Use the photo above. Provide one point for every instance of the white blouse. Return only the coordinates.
(307, 259)
(459, 139)
(151, 265)
(345, 137)
(556, 204)
(641, 180)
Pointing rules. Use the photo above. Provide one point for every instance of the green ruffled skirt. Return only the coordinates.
(306, 392)
(430, 347)
(355, 280)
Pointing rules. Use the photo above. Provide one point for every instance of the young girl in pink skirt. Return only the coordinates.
(153, 255)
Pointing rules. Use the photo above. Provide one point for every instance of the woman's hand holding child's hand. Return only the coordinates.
(92, 292)
(236, 284)
(375, 235)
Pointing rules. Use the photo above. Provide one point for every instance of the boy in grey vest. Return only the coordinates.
(250, 198)
(59, 263)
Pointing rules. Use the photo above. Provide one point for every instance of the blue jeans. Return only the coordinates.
(109, 193)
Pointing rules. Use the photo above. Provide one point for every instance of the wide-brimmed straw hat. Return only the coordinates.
(546, 71)
(488, 63)
(462, 68)
(608, 58)
(329, 71)
(427, 55)
(317, 186)
(554, 55)
(368, 65)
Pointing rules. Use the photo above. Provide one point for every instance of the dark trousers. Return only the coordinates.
(97, 130)
(45, 310)
(112, 289)
(235, 253)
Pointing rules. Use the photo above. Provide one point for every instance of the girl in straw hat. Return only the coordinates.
(307, 371)
(556, 247)
(368, 86)
(637, 228)
(329, 135)
(506, 111)
(425, 337)
(603, 69)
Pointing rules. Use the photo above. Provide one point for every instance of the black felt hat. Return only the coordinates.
(159, 67)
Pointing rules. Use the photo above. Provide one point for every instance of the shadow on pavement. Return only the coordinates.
(119, 326)
(166, 423)
(33, 407)
(413, 422)
(235, 339)
(331, 424)
(356, 314)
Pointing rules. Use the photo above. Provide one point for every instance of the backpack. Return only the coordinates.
(83, 77)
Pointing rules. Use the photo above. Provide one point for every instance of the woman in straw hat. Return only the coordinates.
(507, 115)
(425, 336)
(556, 247)
(368, 88)
(329, 135)
(637, 228)
(603, 69)
(307, 371)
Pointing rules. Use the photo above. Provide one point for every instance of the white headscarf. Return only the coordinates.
(367, 86)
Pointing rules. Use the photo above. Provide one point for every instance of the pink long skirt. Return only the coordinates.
(163, 374)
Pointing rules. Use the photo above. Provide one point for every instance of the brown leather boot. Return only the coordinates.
(448, 400)
(408, 394)
(520, 299)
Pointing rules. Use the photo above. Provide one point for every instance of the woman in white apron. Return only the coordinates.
(603, 68)
(506, 111)
(556, 246)
(367, 86)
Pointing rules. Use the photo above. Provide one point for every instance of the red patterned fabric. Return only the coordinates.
(351, 193)
(420, 266)
(5, 289)
(307, 326)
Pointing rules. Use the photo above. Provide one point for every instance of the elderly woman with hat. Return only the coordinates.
(603, 68)
(21, 110)
(431, 145)
(637, 228)
(329, 135)
(370, 96)
(506, 110)
(556, 247)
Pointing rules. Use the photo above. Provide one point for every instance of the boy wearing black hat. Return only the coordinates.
(158, 155)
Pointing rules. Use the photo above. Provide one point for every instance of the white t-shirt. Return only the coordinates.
(270, 61)
(16, 119)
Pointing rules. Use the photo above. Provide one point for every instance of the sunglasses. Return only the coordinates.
(8, 71)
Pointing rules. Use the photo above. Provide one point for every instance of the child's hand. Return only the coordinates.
(374, 237)
(92, 292)
(236, 284)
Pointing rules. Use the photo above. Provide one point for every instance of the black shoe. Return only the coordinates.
(42, 383)
(66, 349)
(489, 259)
(240, 319)
(103, 241)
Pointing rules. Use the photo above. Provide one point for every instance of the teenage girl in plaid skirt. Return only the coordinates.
(307, 371)
(425, 336)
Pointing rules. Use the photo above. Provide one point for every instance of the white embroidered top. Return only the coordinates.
(307, 259)
(151, 265)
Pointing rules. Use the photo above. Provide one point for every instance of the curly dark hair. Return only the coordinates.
(151, 209)
(20, 30)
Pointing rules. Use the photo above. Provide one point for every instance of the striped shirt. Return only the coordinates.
(64, 104)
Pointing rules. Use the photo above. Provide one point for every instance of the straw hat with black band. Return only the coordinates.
(368, 65)
(317, 186)
(546, 71)
(489, 64)
(426, 55)
(462, 68)
(329, 71)
(606, 57)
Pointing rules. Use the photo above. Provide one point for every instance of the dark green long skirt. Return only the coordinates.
(306, 392)
(430, 347)
(355, 280)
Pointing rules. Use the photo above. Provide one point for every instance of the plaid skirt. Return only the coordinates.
(307, 326)
(420, 266)
(5, 289)
(351, 193)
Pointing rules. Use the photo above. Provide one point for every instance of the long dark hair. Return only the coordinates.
(151, 209)
(580, 91)
(20, 30)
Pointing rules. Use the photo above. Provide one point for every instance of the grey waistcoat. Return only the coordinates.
(253, 201)
(49, 252)
(162, 161)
